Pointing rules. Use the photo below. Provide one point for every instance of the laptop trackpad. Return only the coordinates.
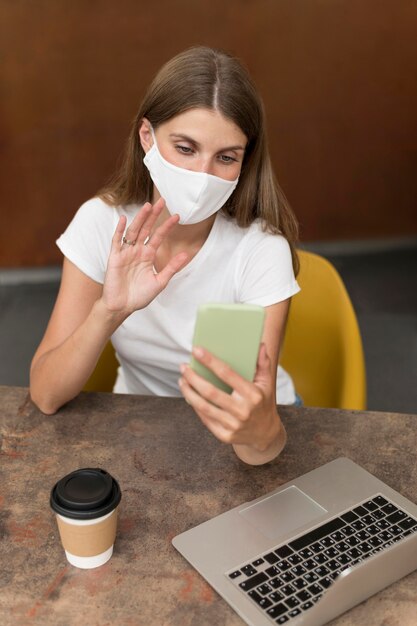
(282, 512)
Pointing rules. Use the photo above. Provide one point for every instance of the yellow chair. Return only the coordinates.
(104, 375)
(323, 348)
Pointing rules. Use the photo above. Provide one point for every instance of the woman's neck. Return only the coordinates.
(182, 238)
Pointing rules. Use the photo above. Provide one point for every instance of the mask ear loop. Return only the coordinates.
(153, 138)
(153, 135)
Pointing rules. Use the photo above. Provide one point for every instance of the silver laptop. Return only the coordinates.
(309, 550)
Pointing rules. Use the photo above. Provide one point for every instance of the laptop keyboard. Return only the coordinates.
(289, 579)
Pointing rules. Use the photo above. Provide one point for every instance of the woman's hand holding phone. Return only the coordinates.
(247, 418)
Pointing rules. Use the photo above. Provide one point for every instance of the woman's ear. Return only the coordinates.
(145, 135)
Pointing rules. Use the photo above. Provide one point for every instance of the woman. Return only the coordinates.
(194, 215)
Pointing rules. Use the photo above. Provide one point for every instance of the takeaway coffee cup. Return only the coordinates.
(85, 503)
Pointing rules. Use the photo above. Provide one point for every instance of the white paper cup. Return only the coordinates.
(86, 503)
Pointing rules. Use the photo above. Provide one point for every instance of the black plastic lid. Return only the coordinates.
(87, 493)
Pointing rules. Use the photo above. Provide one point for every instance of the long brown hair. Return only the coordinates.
(207, 78)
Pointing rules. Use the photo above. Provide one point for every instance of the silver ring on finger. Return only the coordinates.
(129, 242)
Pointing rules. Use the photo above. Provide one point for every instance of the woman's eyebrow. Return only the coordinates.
(195, 143)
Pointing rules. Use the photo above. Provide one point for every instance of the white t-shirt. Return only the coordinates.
(234, 265)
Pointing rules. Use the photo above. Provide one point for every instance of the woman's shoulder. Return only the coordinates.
(264, 272)
(87, 239)
(101, 216)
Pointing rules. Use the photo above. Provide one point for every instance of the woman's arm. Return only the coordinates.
(86, 313)
(78, 330)
(247, 418)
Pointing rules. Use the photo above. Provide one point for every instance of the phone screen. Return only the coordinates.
(233, 333)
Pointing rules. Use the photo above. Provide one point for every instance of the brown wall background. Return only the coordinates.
(338, 78)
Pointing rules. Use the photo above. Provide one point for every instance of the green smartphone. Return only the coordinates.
(233, 333)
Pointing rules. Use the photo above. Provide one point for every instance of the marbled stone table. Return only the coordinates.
(173, 474)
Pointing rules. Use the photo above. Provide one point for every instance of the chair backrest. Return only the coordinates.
(323, 348)
(104, 375)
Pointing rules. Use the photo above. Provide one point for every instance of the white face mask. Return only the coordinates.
(193, 195)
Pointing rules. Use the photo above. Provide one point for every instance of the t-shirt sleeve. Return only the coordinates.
(87, 240)
(266, 276)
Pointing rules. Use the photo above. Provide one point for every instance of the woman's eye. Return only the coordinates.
(227, 159)
(184, 149)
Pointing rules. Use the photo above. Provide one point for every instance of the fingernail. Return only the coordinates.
(182, 368)
(198, 352)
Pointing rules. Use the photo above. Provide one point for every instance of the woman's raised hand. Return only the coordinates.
(131, 282)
